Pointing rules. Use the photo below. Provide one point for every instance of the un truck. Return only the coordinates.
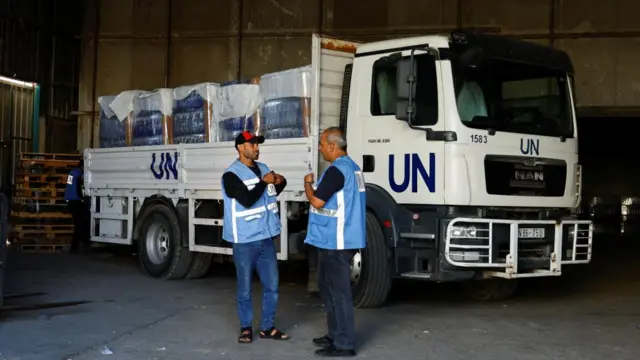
(468, 144)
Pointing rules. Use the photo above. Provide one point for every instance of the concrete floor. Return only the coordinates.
(590, 313)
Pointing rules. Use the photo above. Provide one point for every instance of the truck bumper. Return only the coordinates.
(517, 248)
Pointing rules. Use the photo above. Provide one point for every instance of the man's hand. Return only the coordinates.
(270, 178)
(309, 178)
(279, 179)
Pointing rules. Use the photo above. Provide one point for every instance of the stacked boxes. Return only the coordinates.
(276, 105)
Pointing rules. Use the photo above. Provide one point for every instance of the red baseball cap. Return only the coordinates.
(248, 136)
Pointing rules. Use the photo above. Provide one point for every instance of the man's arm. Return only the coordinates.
(280, 185)
(332, 182)
(79, 187)
(236, 189)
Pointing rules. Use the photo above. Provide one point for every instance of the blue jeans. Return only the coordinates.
(335, 289)
(261, 256)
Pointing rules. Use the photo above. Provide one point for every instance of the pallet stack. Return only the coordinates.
(41, 221)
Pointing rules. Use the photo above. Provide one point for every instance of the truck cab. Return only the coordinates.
(468, 144)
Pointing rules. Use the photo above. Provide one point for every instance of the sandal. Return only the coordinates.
(274, 334)
(246, 336)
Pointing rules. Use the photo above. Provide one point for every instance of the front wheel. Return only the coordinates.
(371, 269)
(160, 245)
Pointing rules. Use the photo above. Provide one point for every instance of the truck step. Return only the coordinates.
(416, 275)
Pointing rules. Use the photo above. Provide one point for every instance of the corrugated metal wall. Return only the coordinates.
(38, 43)
(16, 128)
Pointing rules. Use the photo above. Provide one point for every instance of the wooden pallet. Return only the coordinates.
(38, 228)
(20, 239)
(43, 160)
(42, 248)
(59, 234)
(40, 215)
(40, 200)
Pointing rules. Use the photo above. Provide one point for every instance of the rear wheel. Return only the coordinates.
(371, 268)
(491, 289)
(200, 265)
(160, 245)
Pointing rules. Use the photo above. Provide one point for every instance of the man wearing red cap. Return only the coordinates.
(251, 224)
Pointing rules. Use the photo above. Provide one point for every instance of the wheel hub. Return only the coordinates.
(157, 243)
(356, 267)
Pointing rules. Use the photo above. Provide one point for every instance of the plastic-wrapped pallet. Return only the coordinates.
(238, 103)
(152, 118)
(193, 120)
(122, 107)
(286, 108)
(113, 132)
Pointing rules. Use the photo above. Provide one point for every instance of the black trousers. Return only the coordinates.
(81, 218)
(335, 289)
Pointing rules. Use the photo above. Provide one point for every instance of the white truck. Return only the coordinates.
(468, 144)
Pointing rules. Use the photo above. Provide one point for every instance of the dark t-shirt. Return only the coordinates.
(236, 189)
(332, 182)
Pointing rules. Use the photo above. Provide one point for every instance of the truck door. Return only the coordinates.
(394, 155)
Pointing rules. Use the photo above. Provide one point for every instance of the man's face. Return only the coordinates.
(250, 151)
(324, 147)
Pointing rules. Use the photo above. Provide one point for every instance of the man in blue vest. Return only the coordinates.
(79, 211)
(251, 224)
(337, 229)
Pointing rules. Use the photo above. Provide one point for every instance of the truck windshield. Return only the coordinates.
(514, 97)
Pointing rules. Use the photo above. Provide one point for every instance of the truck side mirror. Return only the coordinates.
(406, 79)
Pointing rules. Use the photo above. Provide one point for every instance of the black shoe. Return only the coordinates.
(323, 341)
(332, 351)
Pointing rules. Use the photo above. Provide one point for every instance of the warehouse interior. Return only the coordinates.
(76, 51)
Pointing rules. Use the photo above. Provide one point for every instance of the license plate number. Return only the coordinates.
(531, 233)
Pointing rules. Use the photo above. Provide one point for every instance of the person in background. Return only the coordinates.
(251, 224)
(73, 195)
(337, 228)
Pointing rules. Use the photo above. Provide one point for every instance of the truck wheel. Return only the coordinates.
(200, 265)
(160, 245)
(491, 289)
(371, 269)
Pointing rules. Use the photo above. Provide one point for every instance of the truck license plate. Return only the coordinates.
(531, 233)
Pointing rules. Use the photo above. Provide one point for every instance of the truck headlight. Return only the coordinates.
(464, 232)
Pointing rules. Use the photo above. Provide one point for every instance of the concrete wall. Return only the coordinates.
(146, 44)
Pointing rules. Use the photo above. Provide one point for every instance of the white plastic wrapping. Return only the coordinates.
(286, 110)
(193, 119)
(234, 112)
(122, 105)
(156, 100)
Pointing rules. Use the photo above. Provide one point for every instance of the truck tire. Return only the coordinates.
(491, 289)
(200, 265)
(160, 244)
(371, 288)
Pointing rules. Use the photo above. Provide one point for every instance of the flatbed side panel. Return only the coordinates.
(329, 58)
(142, 167)
(204, 164)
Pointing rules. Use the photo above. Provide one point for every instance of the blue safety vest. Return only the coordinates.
(73, 179)
(260, 221)
(341, 223)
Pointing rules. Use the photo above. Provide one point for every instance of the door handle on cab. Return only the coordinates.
(368, 163)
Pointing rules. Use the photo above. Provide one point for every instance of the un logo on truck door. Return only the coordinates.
(413, 167)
